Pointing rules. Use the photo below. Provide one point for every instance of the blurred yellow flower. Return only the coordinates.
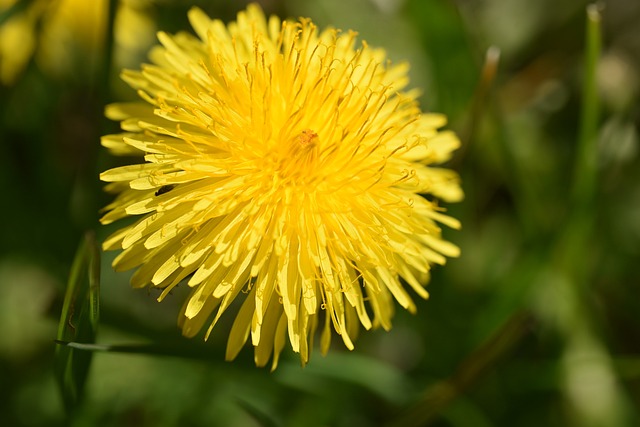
(17, 39)
(67, 37)
(283, 168)
(73, 36)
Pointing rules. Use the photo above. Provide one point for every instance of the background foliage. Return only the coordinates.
(537, 324)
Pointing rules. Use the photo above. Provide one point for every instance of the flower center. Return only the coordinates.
(307, 140)
(298, 158)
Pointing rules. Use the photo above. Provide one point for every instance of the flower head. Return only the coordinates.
(284, 168)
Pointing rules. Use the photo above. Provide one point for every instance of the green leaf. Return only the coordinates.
(362, 371)
(78, 322)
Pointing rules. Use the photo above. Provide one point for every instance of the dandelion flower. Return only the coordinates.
(285, 168)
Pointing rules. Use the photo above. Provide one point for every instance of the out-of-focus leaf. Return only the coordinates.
(78, 321)
(618, 142)
(484, 358)
(444, 37)
(371, 374)
(264, 418)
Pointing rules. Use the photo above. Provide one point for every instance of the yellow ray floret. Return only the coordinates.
(285, 167)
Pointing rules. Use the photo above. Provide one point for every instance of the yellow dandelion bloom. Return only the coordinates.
(286, 168)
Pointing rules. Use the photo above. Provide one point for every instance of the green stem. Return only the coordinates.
(585, 173)
(479, 103)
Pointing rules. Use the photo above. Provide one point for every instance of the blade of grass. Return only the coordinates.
(587, 362)
(155, 349)
(78, 321)
(478, 108)
(104, 77)
(94, 284)
(585, 174)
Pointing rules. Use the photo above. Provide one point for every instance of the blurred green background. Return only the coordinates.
(536, 324)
